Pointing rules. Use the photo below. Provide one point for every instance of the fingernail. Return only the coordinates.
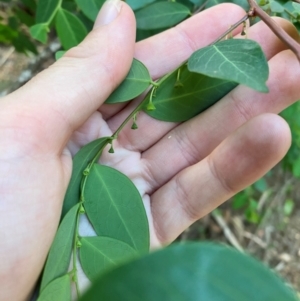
(108, 12)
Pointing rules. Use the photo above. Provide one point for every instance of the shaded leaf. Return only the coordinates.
(99, 254)
(244, 4)
(58, 290)
(241, 61)
(22, 43)
(46, 10)
(115, 208)
(80, 162)
(60, 252)
(276, 7)
(135, 83)
(24, 17)
(40, 32)
(189, 272)
(90, 8)
(136, 4)
(179, 101)
(70, 30)
(160, 15)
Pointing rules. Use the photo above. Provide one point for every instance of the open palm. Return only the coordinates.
(183, 171)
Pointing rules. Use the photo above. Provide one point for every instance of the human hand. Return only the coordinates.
(182, 171)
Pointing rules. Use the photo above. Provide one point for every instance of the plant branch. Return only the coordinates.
(256, 10)
(232, 27)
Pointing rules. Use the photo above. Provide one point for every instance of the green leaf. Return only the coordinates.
(189, 272)
(40, 32)
(22, 43)
(58, 290)
(288, 207)
(261, 185)
(70, 30)
(241, 61)
(136, 82)
(136, 4)
(80, 163)
(177, 101)
(99, 254)
(276, 7)
(296, 168)
(24, 17)
(46, 10)
(240, 200)
(59, 54)
(60, 252)
(160, 15)
(115, 208)
(90, 8)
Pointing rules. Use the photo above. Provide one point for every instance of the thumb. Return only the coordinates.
(61, 98)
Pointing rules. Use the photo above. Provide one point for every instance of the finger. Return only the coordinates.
(61, 98)
(237, 162)
(195, 139)
(153, 129)
(177, 43)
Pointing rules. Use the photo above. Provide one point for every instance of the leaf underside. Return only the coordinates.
(60, 253)
(115, 208)
(80, 162)
(177, 101)
(135, 83)
(189, 272)
(99, 254)
(237, 60)
(161, 15)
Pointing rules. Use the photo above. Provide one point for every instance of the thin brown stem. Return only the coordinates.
(232, 27)
(256, 10)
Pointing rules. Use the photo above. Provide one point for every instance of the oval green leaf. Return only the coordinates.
(189, 272)
(46, 10)
(136, 4)
(99, 254)
(90, 8)
(161, 15)
(70, 30)
(40, 32)
(177, 101)
(58, 290)
(115, 208)
(136, 82)
(60, 252)
(80, 163)
(241, 61)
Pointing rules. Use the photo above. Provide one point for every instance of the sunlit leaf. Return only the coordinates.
(115, 208)
(70, 30)
(90, 8)
(40, 32)
(58, 290)
(181, 100)
(60, 253)
(189, 272)
(135, 83)
(98, 254)
(80, 162)
(238, 60)
(46, 10)
(160, 15)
